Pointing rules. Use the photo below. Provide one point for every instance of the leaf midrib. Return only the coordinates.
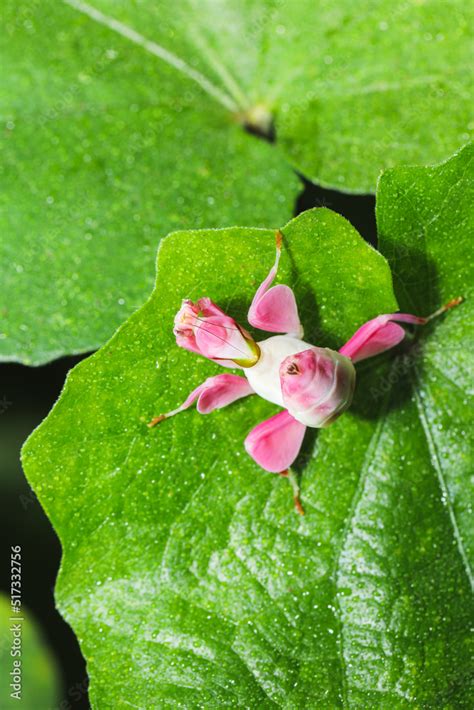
(437, 467)
(154, 48)
(358, 493)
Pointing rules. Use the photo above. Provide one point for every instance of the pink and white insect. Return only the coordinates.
(313, 385)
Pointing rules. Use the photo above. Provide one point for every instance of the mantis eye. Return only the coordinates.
(317, 385)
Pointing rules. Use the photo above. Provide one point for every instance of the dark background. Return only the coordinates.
(26, 396)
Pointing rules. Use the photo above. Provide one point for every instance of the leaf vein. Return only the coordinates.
(436, 463)
(155, 49)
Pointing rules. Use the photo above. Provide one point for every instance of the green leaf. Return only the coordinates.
(117, 134)
(186, 575)
(425, 219)
(39, 680)
(105, 150)
(352, 87)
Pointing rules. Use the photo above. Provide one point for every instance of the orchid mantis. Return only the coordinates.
(313, 385)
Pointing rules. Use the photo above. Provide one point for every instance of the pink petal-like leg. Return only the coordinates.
(383, 333)
(274, 309)
(274, 445)
(214, 393)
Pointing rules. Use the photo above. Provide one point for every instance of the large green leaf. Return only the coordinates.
(115, 138)
(352, 87)
(39, 677)
(186, 574)
(425, 219)
(106, 149)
